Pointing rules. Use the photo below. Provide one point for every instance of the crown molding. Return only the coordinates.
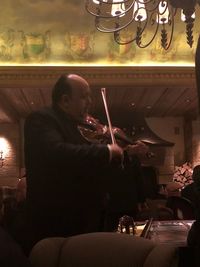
(45, 76)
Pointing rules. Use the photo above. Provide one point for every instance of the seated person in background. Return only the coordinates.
(194, 234)
(161, 193)
(173, 189)
(161, 208)
(182, 208)
(189, 191)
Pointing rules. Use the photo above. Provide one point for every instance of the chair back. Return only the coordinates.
(182, 208)
(103, 250)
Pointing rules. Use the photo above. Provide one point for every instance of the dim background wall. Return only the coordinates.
(172, 130)
(9, 172)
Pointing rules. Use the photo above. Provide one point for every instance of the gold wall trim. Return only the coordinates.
(44, 76)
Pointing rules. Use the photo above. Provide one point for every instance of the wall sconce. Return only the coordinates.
(1, 159)
(3, 150)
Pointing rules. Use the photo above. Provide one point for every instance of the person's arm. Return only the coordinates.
(46, 140)
(139, 149)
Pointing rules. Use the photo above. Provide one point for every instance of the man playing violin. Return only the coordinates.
(66, 174)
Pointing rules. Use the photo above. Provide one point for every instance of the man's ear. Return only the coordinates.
(65, 100)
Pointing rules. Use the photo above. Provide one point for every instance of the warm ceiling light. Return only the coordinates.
(142, 18)
(139, 10)
(118, 8)
(183, 16)
(97, 2)
(163, 13)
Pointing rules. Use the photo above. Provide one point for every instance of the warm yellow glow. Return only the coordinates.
(139, 229)
(105, 63)
(139, 11)
(163, 16)
(3, 147)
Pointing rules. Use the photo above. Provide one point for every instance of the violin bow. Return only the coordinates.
(103, 93)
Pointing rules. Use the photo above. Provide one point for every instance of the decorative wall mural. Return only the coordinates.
(36, 46)
(121, 53)
(62, 32)
(6, 44)
(159, 54)
(79, 46)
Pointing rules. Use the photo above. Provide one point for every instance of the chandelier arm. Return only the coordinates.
(124, 43)
(171, 36)
(144, 27)
(152, 38)
(109, 16)
(134, 39)
(107, 30)
(154, 15)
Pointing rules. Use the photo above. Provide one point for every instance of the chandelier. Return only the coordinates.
(140, 21)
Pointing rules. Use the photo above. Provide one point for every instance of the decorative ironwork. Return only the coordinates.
(143, 18)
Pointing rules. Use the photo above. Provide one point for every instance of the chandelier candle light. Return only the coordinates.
(143, 19)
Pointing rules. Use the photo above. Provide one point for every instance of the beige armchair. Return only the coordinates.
(102, 250)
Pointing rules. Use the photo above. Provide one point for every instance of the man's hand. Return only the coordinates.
(139, 149)
(116, 153)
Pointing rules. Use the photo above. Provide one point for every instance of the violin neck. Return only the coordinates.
(125, 139)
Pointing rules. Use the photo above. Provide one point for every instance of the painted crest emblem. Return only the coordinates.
(122, 52)
(79, 45)
(36, 46)
(6, 44)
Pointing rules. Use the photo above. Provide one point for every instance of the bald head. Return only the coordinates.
(76, 80)
(72, 94)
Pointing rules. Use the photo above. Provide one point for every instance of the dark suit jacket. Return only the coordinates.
(65, 181)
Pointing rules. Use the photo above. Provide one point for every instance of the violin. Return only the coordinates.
(95, 132)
